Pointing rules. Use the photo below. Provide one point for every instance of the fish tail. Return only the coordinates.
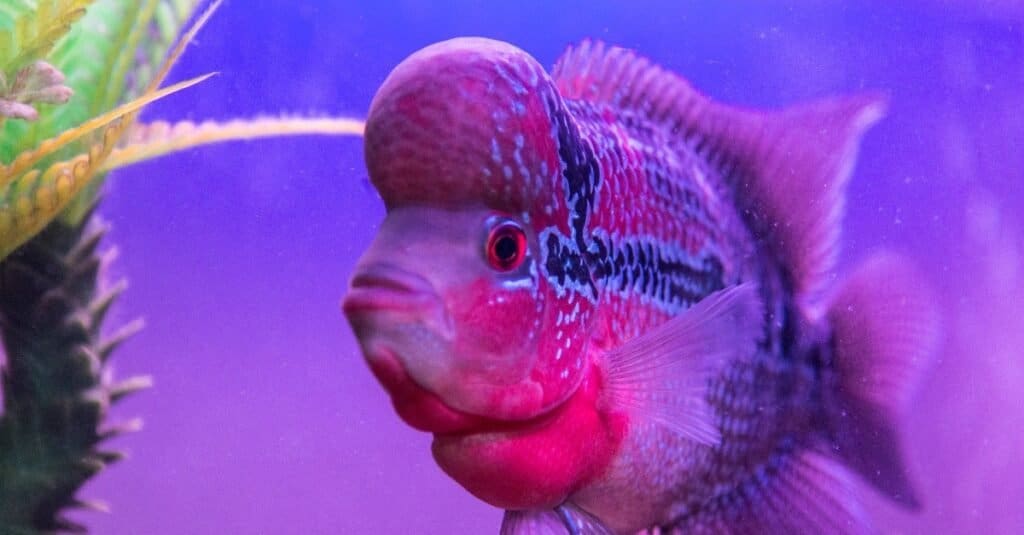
(884, 331)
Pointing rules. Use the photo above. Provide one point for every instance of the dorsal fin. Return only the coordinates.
(788, 168)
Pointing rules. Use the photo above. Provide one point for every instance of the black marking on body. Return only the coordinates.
(587, 260)
(565, 266)
(643, 267)
(581, 174)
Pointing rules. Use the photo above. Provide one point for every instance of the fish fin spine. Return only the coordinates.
(885, 328)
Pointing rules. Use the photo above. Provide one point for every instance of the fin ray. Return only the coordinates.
(532, 523)
(799, 493)
(885, 329)
(662, 375)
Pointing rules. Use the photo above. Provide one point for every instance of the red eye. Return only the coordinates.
(506, 246)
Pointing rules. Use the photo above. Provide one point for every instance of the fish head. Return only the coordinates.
(450, 303)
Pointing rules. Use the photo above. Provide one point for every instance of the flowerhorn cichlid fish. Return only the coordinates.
(611, 299)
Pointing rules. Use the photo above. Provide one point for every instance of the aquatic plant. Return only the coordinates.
(74, 76)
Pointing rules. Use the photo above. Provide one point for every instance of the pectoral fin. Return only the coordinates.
(663, 375)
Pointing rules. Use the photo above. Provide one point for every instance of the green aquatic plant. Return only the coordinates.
(74, 76)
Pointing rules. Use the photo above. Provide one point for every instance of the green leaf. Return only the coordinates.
(31, 199)
(141, 44)
(33, 32)
(108, 56)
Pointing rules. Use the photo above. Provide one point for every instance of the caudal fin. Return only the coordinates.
(885, 329)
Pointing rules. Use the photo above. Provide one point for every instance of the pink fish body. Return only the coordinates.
(611, 299)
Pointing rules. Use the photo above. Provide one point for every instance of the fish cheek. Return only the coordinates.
(496, 330)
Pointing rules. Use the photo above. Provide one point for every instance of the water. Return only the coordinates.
(264, 419)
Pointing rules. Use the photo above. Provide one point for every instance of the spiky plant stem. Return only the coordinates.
(56, 382)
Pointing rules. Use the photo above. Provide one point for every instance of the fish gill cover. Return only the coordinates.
(74, 76)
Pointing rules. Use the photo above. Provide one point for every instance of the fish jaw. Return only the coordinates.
(522, 463)
(417, 406)
(409, 339)
(384, 293)
(536, 463)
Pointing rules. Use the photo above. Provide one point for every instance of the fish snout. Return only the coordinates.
(383, 287)
(405, 331)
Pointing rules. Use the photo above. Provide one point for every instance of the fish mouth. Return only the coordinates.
(383, 294)
(385, 287)
(388, 293)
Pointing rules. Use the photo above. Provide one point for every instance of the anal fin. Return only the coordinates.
(796, 493)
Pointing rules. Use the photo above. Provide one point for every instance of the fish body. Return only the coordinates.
(611, 299)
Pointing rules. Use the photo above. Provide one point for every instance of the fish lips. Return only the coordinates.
(382, 296)
(387, 293)
(386, 288)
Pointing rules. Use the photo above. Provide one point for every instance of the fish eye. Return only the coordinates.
(506, 246)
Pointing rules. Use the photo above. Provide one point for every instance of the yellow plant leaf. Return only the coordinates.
(29, 158)
(35, 32)
(147, 141)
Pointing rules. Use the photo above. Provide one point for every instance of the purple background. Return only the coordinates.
(264, 418)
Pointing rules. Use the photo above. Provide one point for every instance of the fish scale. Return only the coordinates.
(670, 215)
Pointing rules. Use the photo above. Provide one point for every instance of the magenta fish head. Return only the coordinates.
(451, 303)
